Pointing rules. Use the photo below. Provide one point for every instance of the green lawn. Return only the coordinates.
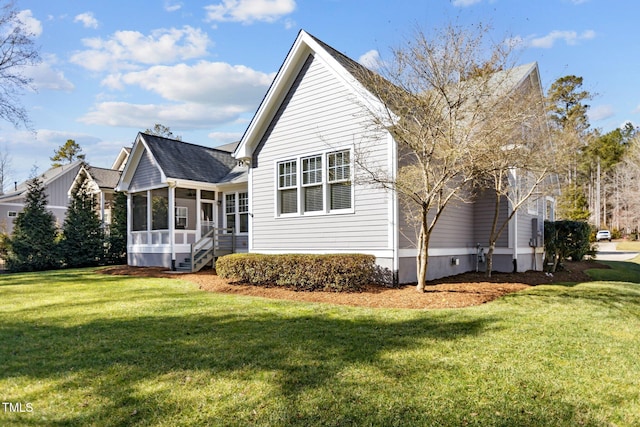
(84, 349)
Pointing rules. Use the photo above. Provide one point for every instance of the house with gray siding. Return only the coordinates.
(291, 184)
(179, 196)
(304, 192)
(56, 182)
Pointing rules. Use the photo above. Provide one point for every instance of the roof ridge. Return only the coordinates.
(184, 142)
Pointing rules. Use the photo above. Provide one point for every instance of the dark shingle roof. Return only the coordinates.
(182, 160)
(105, 178)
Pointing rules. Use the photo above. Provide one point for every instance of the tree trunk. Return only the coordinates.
(423, 251)
(489, 258)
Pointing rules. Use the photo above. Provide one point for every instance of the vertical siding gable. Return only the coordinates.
(147, 173)
(57, 191)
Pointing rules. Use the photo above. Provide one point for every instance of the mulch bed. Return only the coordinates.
(464, 290)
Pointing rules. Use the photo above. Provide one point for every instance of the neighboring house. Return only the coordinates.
(101, 183)
(122, 158)
(178, 193)
(303, 196)
(56, 182)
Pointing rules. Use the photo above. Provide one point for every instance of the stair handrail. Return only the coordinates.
(195, 247)
(211, 236)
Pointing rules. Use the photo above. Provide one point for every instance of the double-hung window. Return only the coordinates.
(236, 207)
(181, 217)
(315, 184)
(339, 171)
(288, 186)
(312, 183)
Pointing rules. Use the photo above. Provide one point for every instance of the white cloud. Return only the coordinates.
(45, 76)
(129, 49)
(249, 11)
(371, 59)
(221, 138)
(212, 83)
(637, 110)
(569, 37)
(172, 7)
(188, 115)
(31, 24)
(87, 19)
(601, 112)
(465, 3)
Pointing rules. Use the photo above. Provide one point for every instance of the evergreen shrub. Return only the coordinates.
(333, 272)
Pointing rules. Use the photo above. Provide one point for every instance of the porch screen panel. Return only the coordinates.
(139, 201)
(160, 209)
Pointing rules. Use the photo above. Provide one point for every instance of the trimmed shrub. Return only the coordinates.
(566, 239)
(335, 272)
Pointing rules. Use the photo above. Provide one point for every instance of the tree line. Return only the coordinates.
(600, 178)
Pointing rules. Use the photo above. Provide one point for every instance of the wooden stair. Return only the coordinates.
(216, 243)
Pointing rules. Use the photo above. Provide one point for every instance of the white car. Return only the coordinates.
(603, 235)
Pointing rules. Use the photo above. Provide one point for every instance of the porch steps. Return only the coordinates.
(216, 243)
(185, 266)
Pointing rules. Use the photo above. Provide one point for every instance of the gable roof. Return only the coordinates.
(46, 177)
(305, 44)
(182, 160)
(104, 178)
(179, 160)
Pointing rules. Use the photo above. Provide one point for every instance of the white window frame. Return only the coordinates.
(12, 214)
(238, 210)
(288, 183)
(178, 216)
(300, 185)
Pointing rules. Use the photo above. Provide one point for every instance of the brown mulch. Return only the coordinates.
(464, 290)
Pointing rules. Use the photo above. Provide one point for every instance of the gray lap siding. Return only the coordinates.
(318, 115)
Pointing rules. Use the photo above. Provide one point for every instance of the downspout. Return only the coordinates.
(172, 222)
(515, 224)
(395, 214)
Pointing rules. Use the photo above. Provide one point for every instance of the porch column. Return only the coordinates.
(172, 224)
(102, 209)
(198, 216)
(129, 221)
(149, 216)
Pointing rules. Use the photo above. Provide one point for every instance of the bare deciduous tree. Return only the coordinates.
(17, 51)
(517, 158)
(441, 96)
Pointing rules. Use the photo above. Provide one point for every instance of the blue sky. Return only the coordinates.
(111, 69)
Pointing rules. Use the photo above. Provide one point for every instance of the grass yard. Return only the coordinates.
(628, 246)
(85, 349)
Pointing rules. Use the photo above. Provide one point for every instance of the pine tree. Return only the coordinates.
(82, 242)
(117, 241)
(33, 246)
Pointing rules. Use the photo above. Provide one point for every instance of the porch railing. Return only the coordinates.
(216, 243)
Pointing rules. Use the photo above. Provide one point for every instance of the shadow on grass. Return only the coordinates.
(300, 355)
